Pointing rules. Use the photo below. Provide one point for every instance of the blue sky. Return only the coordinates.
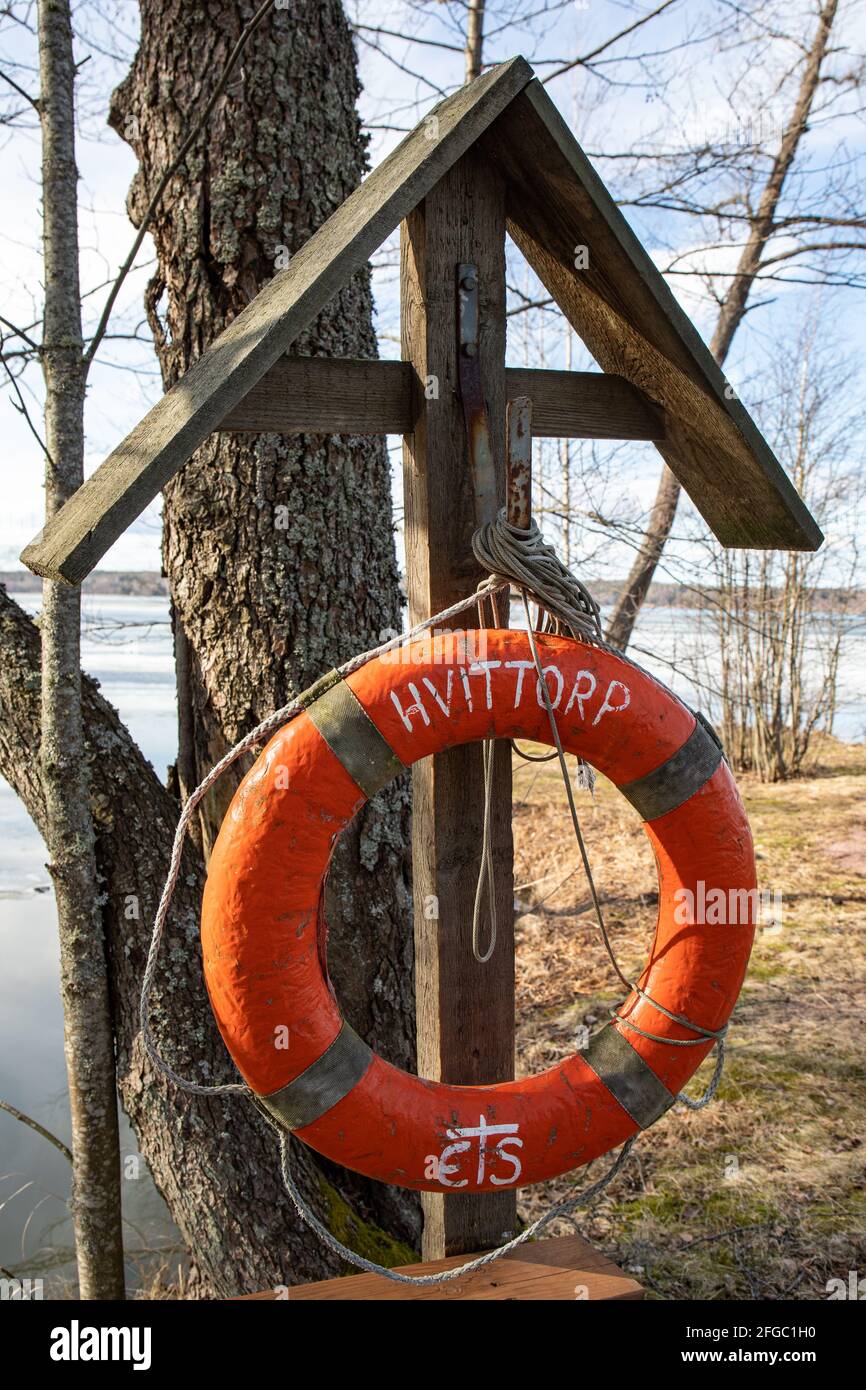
(674, 97)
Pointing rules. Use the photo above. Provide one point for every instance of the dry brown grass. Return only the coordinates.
(761, 1195)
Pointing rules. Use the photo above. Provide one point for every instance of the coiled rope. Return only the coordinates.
(517, 557)
(523, 557)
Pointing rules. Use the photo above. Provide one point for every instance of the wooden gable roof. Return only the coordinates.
(619, 304)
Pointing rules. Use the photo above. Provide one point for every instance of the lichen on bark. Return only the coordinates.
(264, 601)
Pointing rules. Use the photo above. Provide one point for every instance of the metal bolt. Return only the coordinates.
(470, 349)
(468, 282)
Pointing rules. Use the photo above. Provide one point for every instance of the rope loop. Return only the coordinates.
(513, 556)
(523, 557)
(717, 1035)
(563, 1209)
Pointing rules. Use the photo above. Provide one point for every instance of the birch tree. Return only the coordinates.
(281, 561)
(69, 834)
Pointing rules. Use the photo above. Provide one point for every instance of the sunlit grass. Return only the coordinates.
(761, 1195)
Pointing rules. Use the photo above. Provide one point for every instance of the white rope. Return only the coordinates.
(514, 556)
(559, 1209)
(485, 869)
(523, 556)
(261, 731)
(717, 1034)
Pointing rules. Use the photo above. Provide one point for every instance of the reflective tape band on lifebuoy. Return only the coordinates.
(263, 947)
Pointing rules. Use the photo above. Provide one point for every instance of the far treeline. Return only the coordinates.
(150, 584)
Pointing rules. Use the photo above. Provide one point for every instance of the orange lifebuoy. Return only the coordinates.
(263, 947)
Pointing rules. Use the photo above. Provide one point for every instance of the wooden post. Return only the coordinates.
(465, 1010)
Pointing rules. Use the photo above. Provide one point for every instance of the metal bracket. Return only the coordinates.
(472, 395)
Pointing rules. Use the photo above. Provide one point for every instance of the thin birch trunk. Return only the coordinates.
(69, 833)
(474, 38)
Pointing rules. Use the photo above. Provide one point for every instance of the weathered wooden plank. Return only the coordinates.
(322, 395)
(327, 395)
(631, 323)
(465, 1009)
(81, 533)
(619, 304)
(559, 1270)
(585, 405)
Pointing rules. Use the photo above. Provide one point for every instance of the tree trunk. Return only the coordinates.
(661, 519)
(731, 314)
(279, 551)
(214, 1160)
(474, 38)
(67, 824)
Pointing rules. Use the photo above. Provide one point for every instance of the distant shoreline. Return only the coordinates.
(127, 583)
(151, 584)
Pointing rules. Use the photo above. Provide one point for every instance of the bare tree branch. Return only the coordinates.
(20, 333)
(587, 58)
(408, 38)
(21, 407)
(34, 101)
(40, 1129)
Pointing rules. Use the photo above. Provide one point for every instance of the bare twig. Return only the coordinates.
(21, 407)
(34, 101)
(723, 1235)
(20, 333)
(40, 1129)
(409, 38)
(401, 67)
(608, 43)
(530, 304)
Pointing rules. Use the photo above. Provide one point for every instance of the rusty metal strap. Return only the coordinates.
(325, 1081)
(350, 733)
(671, 784)
(631, 1082)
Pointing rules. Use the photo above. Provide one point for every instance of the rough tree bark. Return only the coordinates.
(67, 824)
(731, 314)
(214, 1160)
(279, 551)
(261, 610)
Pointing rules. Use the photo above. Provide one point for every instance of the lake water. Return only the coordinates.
(134, 666)
(127, 646)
